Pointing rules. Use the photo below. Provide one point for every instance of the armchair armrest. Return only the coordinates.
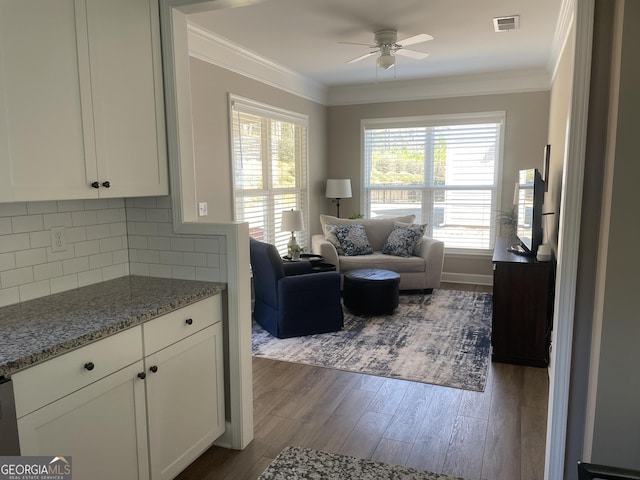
(432, 251)
(296, 268)
(321, 246)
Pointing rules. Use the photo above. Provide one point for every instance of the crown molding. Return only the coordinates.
(219, 51)
(515, 81)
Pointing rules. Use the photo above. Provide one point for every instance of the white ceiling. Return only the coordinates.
(303, 36)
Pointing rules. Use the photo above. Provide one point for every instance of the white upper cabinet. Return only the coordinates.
(81, 103)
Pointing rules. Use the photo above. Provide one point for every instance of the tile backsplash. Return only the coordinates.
(154, 250)
(105, 239)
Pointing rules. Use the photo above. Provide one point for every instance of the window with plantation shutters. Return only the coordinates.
(443, 169)
(269, 169)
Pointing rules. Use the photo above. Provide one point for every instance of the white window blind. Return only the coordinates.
(443, 170)
(270, 169)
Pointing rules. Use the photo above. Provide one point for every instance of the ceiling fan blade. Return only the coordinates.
(405, 52)
(421, 37)
(354, 43)
(361, 57)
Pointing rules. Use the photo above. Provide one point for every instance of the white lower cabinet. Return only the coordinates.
(122, 410)
(185, 405)
(101, 426)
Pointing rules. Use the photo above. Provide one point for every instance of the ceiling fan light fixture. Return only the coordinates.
(386, 61)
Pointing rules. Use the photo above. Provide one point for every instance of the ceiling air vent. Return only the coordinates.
(504, 24)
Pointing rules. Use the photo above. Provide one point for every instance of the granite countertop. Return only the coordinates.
(36, 330)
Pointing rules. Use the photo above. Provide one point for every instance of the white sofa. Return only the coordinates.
(418, 272)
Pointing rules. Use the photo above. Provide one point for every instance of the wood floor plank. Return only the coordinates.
(389, 396)
(334, 432)
(502, 447)
(405, 424)
(533, 441)
(392, 451)
(430, 447)
(365, 436)
(466, 449)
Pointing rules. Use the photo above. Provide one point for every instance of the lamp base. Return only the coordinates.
(293, 249)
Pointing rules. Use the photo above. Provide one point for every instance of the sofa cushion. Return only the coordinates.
(385, 262)
(403, 239)
(377, 229)
(353, 239)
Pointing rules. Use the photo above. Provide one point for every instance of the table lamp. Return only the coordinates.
(338, 188)
(292, 222)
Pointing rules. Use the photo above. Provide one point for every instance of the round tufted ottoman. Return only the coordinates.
(371, 290)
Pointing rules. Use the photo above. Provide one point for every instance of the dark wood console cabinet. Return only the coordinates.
(523, 290)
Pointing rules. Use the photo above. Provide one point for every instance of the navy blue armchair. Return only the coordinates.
(291, 300)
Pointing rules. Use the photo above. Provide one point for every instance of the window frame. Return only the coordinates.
(270, 112)
(498, 117)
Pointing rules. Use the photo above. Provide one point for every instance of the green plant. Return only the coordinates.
(508, 221)
(356, 216)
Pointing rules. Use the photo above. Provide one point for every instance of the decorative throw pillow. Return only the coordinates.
(403, 239)
(331, 238)
(420, 228)
(353, 239)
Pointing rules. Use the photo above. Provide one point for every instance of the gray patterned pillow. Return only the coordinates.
(331, 238)
(403, 239)
(353, 239)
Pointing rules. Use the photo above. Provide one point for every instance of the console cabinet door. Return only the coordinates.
(185, 401)
(43, 154)
(101, 426)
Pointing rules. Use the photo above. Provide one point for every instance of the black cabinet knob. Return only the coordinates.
(153, 368)
(89, 366)
(106, 184)
(142, 375)
(189, 321)
(95, 185)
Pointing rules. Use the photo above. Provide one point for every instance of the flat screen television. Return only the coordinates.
(530, 199)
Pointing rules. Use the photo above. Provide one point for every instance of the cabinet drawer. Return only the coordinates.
(172, 327)
(53, 379)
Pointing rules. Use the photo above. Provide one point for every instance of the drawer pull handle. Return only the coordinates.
(189, 321)
(142, 375)
(95, 185)
(106, 184)
(153, 368)
(89, 366)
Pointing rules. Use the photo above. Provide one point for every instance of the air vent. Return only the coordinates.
(504, 24)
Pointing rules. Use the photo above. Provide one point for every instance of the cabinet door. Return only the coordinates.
(126, 89)
(42, 139)
(101, 426)
(185, 401)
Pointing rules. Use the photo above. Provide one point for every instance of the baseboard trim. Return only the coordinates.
(470, 278)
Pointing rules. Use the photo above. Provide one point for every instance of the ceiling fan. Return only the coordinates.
(387, 45)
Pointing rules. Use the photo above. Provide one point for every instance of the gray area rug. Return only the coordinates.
(443, 339)
(295, 463)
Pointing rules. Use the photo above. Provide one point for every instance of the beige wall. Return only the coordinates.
(558, 118)
(210, 88)
(616, 435)
(527, 117)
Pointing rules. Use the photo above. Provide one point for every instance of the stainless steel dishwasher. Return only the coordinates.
(9, 443)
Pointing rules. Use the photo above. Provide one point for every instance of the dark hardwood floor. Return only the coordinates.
(492, 435)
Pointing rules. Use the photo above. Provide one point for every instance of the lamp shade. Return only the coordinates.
(292, 221)
(338, 188)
